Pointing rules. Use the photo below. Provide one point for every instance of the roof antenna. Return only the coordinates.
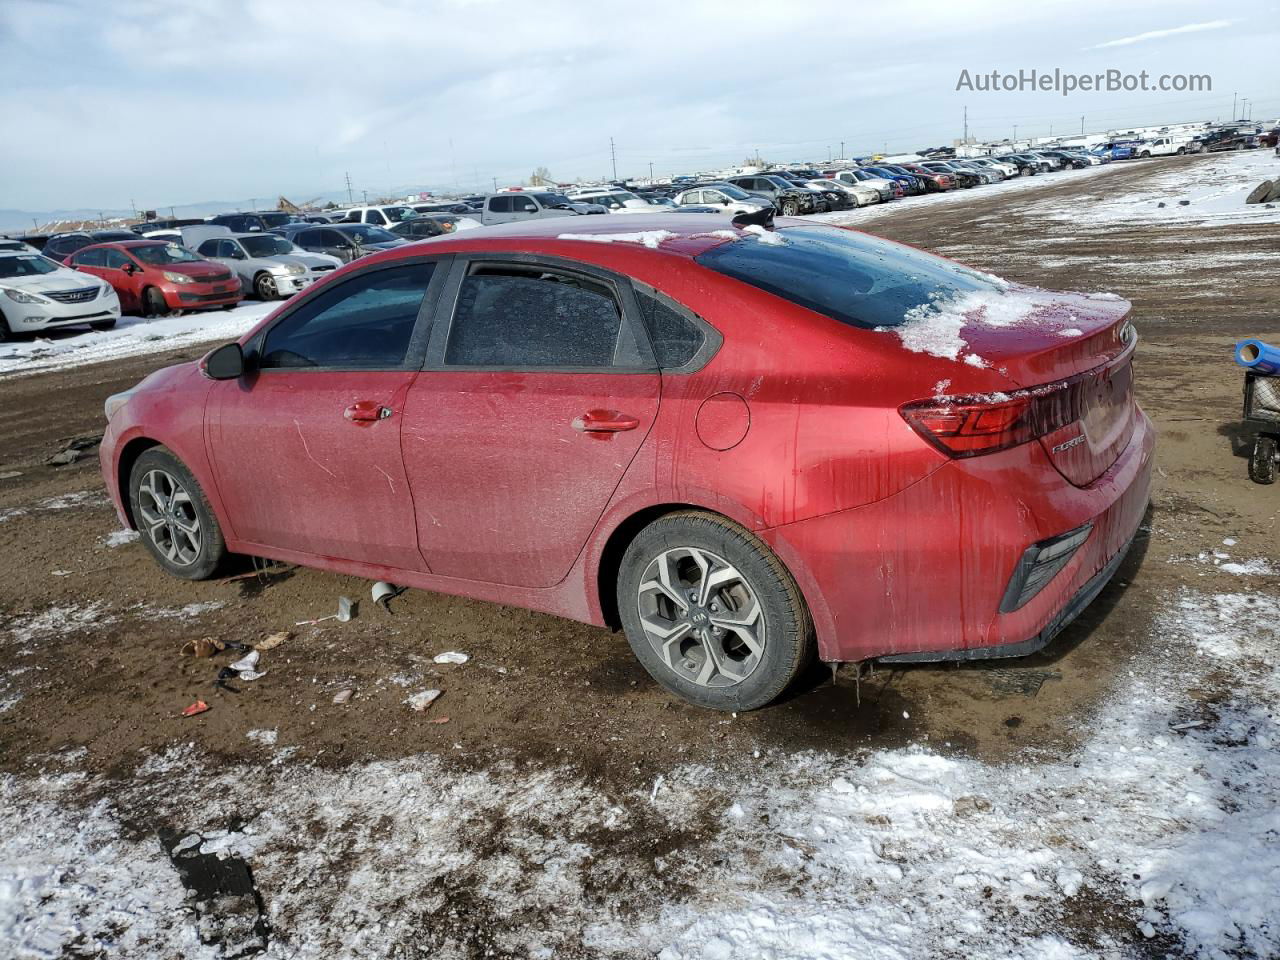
(757, 218)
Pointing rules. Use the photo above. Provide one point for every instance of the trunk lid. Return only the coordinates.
(1078, 346)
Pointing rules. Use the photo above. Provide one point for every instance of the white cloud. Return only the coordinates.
(1158, 34)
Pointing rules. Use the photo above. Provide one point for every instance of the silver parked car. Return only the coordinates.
(267, 264)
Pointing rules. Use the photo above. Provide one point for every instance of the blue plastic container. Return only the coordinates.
(1258, 357)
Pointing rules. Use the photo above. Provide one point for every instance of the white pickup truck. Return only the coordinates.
(509, 205)
(1162, 147)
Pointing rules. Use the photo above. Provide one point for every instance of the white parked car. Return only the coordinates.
(381, 216)
(8, 245)
(724, 196)
(612, 199)
(267, 264)
(37, 294)
(881, 185)
(1008, 169)
(861, 194)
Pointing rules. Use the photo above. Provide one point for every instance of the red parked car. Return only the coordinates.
(934, 181)
(738, 445)
(153, 277)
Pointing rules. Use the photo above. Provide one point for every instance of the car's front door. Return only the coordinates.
(306, 445)
(538, 392)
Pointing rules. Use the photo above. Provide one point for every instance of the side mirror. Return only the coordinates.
(225, 363)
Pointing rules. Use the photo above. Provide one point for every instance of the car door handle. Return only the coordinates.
(604, 421)
(365, 411)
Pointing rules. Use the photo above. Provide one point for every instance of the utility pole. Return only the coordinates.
(133, 204)
(613, 157)
(1015, 133)
(651, 171)
(495, 184)
(966, 124)
(1244, 109)
(842, 156)
(1233, 105)
(350, 198)
(1082, 125)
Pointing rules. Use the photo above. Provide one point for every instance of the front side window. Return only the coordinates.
(365, 323)
(529, 317)
(523, 205)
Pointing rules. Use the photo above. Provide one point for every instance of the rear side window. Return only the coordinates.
(365, 323)
(509, 317)
(675, 337)
(851, 277)
(499, 204)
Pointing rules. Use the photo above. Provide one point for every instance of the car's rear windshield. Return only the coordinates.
(851, 277)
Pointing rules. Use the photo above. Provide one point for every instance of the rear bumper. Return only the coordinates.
(921, 575)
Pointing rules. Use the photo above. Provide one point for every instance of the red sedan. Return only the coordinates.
(743, 446)
(153, 277)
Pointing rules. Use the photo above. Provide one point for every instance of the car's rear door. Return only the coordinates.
(538, 392)
(306, 445)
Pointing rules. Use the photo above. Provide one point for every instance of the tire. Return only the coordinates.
(264, 287)
(1145, 155)
(756, 658)
(153, 303)
(6, 334)
(1182, 151)
(103, 325)
(174, 517)
(789, 208)
(1262, 465)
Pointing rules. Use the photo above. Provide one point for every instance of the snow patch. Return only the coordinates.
(650, 238)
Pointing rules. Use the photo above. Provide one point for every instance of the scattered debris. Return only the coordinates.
(274, 640)
(1186, 726)
(347, 610)
(1260, 193)
(228, 909)
(205, 647)
(248, 663)
(453, 656)
(421, 701)
(10, 474)
(118, 538)
(384, 593)
(438, 720)
(196, 708)
(75, 449)
(1184, 203)
(343, 695)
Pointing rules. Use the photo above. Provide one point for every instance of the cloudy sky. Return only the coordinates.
(164, 103)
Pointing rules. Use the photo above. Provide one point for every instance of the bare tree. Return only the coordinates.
(541, 178)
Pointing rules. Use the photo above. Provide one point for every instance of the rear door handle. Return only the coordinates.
(605, 421)
(365, 411)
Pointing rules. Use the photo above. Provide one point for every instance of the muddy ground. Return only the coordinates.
(540, 690)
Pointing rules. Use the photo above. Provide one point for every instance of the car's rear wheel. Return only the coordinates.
(711, 613)
(264, 286)
(174, 517)
(5, 332)
(103, 324)
(789, 208)
(153, 304)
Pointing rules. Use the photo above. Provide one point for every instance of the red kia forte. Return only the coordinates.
(153, 277)
(744, 446)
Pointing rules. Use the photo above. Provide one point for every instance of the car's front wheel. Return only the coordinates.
(711, 613)
(174, 517)
(789, 208)
(153, 303)
(264, 285)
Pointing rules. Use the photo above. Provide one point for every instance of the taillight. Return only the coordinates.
(974, 425)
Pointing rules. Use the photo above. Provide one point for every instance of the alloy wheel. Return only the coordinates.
(266, 287)
(169, 517)
(701, 617)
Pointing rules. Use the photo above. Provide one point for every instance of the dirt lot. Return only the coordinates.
(541, 693)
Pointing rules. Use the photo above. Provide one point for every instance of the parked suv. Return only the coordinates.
(153, 277)
(346, 241)
(62, 245)
(525, 205)
(786, 199)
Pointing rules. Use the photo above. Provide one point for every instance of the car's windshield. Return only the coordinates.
(779, 182)
(161, 253)
(851, 277)
(30, 265)
(367, 234)
(732, 192)
(266, 245)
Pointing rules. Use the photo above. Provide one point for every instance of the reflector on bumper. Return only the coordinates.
(1039, 564)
